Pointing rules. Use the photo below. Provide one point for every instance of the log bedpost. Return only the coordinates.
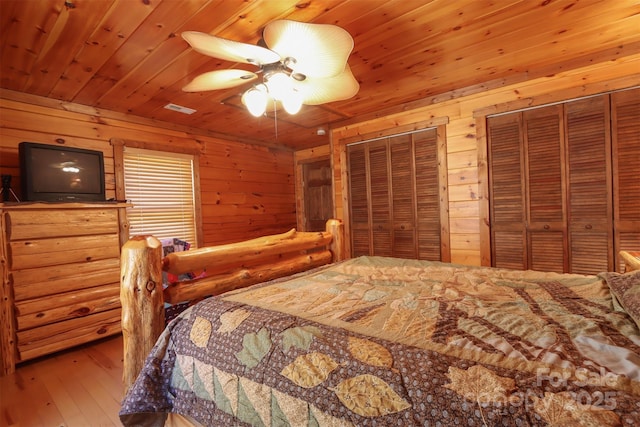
(142, 294)
(337, 248)
(142, 302)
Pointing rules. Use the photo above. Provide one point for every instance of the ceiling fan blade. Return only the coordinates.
(316, 91)
(229, 50)
(219, 79)
(320, 50)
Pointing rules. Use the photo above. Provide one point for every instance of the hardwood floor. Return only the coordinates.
(78, 387)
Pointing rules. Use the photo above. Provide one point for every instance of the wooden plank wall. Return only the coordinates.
(465, 139)
(246, 190)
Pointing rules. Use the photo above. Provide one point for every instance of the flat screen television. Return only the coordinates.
(53, 173)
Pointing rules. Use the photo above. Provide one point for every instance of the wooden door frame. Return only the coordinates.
(300, 159)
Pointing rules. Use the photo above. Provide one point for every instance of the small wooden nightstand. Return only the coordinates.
(631, 260)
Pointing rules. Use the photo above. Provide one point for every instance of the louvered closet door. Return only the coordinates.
(579, 165)
(427, 194)
(546, 204)
(381, 225)
(626, 169)
(400, 214)
(359, 199)
(507, 191)
(589, 185)
(370, 202)
(402, 193)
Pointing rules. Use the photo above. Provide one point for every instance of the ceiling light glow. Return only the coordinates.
(256, 100)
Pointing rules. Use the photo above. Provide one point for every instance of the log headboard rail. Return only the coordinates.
(228, 267)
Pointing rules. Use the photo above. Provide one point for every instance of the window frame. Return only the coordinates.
(118, 155)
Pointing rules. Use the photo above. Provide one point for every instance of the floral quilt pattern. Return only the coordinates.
(381, 341)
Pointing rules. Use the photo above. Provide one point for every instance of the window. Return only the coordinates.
(160, 186)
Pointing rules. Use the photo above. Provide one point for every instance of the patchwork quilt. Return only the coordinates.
(393, 342)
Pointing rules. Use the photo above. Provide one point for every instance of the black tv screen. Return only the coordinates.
(61, 174)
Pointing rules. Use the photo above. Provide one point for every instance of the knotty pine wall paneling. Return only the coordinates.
(246, 190)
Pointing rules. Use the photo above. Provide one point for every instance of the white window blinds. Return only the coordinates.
(160, 187)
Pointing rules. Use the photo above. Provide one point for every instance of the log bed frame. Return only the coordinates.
(228, 267)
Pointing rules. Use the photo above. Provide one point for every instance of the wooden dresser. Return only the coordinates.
(60, 268)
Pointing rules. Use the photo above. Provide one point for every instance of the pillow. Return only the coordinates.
(625, 290)
(170, 246)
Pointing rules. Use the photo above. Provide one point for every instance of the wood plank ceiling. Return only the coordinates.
(127, 56)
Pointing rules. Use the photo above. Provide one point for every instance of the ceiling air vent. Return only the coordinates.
(179, 109)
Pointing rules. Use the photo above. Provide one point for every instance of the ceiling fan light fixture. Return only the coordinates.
(293, 102)
(256, 100)
(279, 85)
(301, 64)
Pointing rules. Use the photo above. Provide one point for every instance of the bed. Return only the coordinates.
(385, 341)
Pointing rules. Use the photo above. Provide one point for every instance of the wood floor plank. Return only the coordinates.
(57, 385)
(67, 406)
(90, 409)
(79, 387)
(94, 382)
(106, 374)
(14, 393)
(80, 379)
(36, 408)
(108, 370)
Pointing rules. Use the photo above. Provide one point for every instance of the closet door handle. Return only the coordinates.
(546, 226)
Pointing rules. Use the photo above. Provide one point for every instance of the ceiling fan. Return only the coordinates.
(300, 63)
